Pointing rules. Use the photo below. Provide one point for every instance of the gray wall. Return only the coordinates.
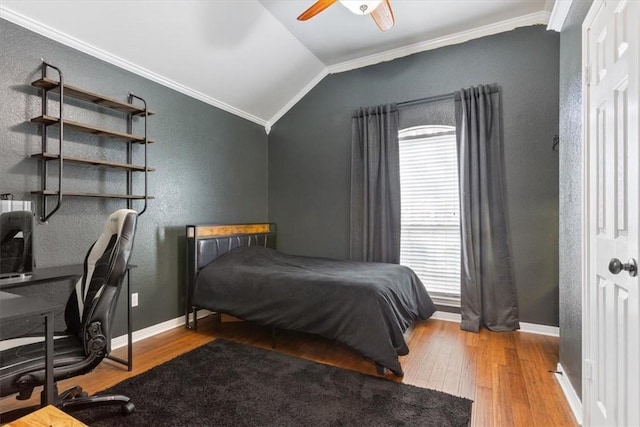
(211, 166)
(309, 150)
(570, 194)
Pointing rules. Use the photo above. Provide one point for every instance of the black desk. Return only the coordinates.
(63, 272)
(14, 307)
(47, 274)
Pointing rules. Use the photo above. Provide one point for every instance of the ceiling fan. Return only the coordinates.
(380, 10)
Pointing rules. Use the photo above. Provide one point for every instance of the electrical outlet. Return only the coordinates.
(134, 299)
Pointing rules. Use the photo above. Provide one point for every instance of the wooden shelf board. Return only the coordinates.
(97, 195)
(81, 127)
(93, 162)
(94, 98)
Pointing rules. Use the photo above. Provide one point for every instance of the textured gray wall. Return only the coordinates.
(309, 150)
(571, 194)
(211, 166)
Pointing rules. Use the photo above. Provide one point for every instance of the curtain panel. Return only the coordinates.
(375, 185)
(488, 293)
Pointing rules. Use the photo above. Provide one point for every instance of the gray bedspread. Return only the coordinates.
(367, 306)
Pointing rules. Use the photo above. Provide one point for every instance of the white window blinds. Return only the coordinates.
(430, 220)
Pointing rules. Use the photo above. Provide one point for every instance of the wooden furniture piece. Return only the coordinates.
(49, 86)
(46, 417)
(14, 307)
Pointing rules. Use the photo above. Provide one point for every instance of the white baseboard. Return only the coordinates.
(531, 328)
(569, 393)
(447, 316)
(121, 341)
(534, 328)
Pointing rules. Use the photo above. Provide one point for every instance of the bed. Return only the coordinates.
(236, 270)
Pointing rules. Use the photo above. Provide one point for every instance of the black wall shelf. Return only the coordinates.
(46, 156)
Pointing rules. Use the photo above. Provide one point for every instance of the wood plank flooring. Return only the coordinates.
(506, 374)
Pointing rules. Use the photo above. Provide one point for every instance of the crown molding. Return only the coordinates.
(503, 26)
(487, 30)
(461, 37)
(289, 105)
(559, 14)
(96, 52)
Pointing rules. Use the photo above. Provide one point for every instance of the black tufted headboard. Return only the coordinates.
(207, 242)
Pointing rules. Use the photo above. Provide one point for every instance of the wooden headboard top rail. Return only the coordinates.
(222, 230)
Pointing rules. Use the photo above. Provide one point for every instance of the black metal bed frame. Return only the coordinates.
(207, 242)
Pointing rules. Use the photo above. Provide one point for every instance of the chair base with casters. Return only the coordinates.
(89, 315)
(74, 399)
(69, 355)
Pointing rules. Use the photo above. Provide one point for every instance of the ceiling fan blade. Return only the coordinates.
(383, 16)
(315, 9)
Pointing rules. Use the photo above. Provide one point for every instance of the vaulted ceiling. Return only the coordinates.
(252, 57)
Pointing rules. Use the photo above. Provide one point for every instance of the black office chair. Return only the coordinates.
(89, 316)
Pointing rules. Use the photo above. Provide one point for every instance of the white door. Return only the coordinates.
(611, 324)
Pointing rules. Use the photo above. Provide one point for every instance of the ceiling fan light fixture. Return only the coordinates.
(361, 7)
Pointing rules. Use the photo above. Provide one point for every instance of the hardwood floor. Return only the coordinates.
(506, 374)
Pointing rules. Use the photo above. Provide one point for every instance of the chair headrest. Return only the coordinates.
(116, 221)
(113, 226)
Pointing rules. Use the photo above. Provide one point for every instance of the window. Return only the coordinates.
(430, 212)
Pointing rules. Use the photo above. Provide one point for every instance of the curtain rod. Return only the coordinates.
(452, 95)
(427, 99)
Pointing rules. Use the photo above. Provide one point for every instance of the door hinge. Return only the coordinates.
(587, 74)
(587, 369)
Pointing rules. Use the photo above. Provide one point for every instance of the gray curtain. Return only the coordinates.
(488, 294)
(375, 185)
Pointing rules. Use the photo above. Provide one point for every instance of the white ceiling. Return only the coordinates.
(252, 57)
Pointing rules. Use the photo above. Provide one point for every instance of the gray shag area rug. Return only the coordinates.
(224, 383)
